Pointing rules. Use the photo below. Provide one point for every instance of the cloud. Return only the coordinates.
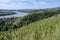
(4, 1)
(28, 1)
(22, 4)
(43, 2)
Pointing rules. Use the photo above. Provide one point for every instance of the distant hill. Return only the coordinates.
(22, 10)
(27, 10)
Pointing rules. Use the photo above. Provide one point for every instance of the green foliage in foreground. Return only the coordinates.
(47, 29)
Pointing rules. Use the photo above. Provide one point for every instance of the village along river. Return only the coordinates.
(18, 14)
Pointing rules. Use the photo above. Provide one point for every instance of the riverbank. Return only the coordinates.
(7, 13)
(18, 14)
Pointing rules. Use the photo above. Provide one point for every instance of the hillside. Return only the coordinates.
(39, 30)
(39, 25)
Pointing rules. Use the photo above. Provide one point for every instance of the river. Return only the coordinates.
(18, 14)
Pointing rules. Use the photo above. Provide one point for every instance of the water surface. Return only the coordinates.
(18, 14)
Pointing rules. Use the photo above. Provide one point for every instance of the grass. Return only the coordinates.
(26, 20)
(46, 29)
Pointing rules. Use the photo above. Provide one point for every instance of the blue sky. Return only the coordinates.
(28, 4)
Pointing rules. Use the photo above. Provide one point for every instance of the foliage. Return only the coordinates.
(32, 17)
(39, 30)
(39, 25)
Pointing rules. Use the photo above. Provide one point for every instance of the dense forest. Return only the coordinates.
(39, 24)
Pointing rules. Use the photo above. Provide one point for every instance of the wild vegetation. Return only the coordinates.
(39, 25)
(32, 17)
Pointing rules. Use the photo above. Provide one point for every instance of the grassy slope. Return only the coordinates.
(32, 17)
(47, 29)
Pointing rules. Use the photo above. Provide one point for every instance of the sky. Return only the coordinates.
(28, 4)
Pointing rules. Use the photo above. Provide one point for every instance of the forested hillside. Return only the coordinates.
(41, 24)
